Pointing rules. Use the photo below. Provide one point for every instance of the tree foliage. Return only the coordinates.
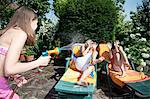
(141, 19)
(136, 40)
(94, 19)
(7, 8)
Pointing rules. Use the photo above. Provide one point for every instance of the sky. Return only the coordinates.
(130, 5)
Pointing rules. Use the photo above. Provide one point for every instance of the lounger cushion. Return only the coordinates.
(72, 76)
(132, 76)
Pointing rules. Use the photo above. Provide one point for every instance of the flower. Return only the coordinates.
(138, 28)
(141, 60)
(143, 64)
(129, 56)
(145, 55)
(147, 62)
(126, 49)
(126, 33)
(132, 36)
(143, 39)
(144, 49)
(127, 39)
(140, 68)
(138, 34)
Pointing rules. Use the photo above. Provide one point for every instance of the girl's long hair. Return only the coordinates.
(22, 18)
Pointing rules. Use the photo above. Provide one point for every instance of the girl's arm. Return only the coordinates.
(12, 66)
(117, 53)
(124, 55)
(85, 51)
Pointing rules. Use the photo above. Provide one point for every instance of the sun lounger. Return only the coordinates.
(68, 89)
(135, 81)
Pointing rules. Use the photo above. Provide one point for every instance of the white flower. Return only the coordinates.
(143, 64)
(138, 28)
(144, 49)
(126, 49)
(141, 60)
(147, 62)
(138, 34)
(140, 68)
(129, 56)
(127, 39)
(142, 39)
(126, 33)
(132, 36)
(145, 55)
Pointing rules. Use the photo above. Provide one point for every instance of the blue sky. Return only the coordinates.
(130, 5)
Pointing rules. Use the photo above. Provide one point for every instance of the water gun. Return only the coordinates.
(56, 51)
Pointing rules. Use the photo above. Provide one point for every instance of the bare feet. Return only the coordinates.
(81, 83)
(122, 75)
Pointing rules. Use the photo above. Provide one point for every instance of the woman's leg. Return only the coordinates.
(120, 69)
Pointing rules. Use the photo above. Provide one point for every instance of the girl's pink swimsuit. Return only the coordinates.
(5, 90)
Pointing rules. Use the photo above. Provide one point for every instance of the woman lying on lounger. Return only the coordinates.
(119, 60)
(83, 62)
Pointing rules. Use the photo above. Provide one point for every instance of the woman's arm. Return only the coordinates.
(12, 66)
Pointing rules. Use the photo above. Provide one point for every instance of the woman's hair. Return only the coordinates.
(22, 18)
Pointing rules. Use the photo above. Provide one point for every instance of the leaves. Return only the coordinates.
(90, 17)
(41, 6)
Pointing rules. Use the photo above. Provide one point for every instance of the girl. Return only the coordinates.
(83, 62)
(19, 32)
(119, 60)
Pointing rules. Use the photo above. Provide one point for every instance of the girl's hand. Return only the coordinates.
(43, 60)
(95, 61)
(19, 80)
(94, 46)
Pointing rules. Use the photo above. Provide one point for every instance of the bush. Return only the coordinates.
(138, 50)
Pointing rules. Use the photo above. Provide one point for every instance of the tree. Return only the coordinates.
(140, 19)
(94, 19)
(8, 7)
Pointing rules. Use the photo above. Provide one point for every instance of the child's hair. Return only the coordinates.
(87, 43)
(113, 46)
(22, 18)
(102, 42)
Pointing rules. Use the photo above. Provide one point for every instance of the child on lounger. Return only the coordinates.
(119, 60)
(84, 63)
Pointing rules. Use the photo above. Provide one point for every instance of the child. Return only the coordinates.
(119, 60)
(83, 63)
(19, 32)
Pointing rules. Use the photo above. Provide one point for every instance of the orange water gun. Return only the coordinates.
(56, 51)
